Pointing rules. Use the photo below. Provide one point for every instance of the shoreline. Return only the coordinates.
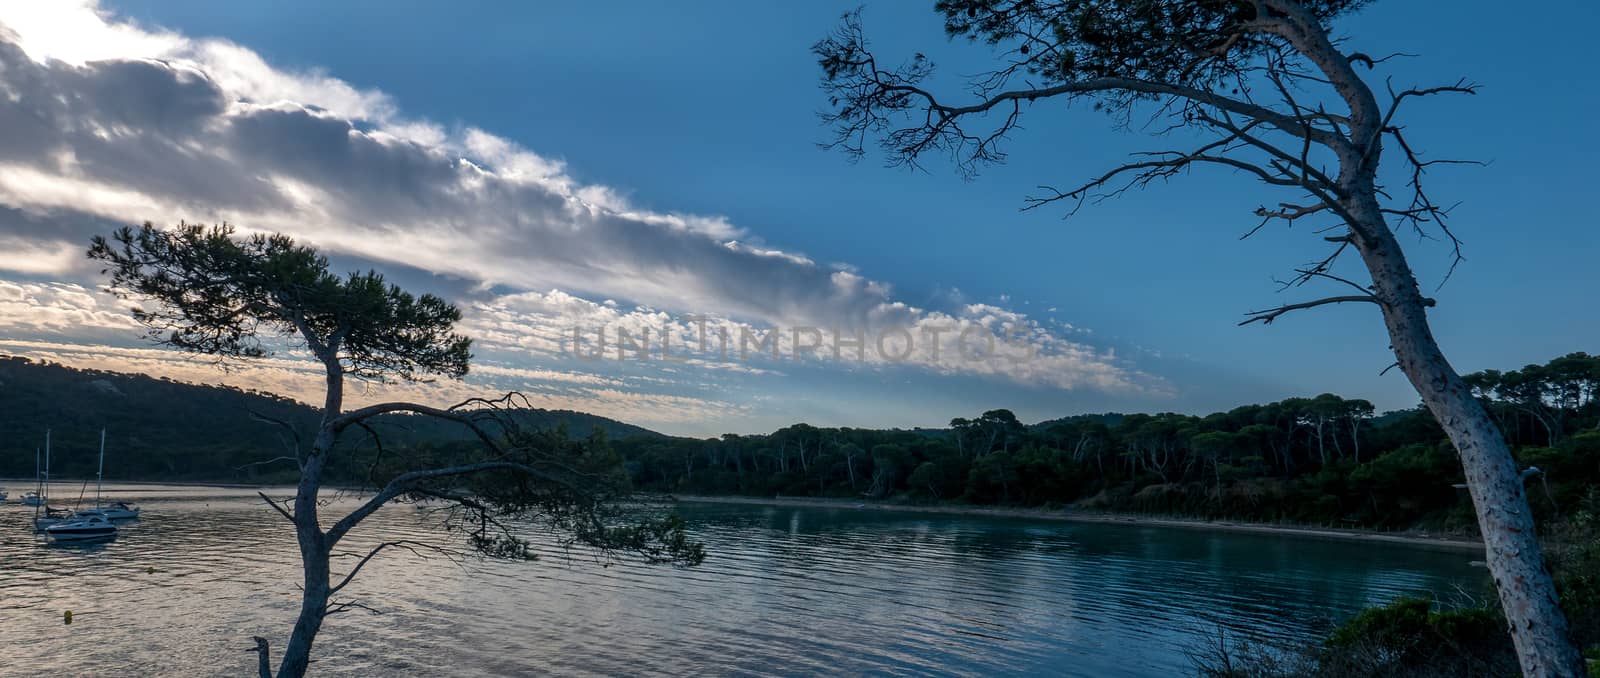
(1069, 515)
(13, 482)
(1060, 515)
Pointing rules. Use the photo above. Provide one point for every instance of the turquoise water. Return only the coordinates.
(785, 591)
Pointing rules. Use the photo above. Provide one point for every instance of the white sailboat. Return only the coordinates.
(43, 515)
(120, 510)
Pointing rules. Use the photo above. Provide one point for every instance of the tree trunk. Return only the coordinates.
(313, 600)
(311, 538)
(1355, 436)
(1322, 451)
(1527, 594)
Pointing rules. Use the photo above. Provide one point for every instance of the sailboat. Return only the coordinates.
(33, 498)
(81, 528)
(120, 510)
(43, 515)
(83, 525)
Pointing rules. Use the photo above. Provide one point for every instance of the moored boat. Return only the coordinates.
(117, 510)
(120, 510)
(81, 528)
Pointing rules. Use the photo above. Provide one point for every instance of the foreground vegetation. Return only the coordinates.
(1416, 638)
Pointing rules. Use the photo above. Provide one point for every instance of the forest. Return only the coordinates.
(1322, 460)
(164, 430)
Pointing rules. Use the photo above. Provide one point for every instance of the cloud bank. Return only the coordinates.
(105, 123)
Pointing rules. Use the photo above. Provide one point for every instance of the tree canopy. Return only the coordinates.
(220, 295)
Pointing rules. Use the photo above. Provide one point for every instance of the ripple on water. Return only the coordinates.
(784, 592)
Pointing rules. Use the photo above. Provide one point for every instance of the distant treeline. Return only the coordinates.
(159, 429)
(1323, 460)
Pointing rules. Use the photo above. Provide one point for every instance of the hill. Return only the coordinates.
(168, 430)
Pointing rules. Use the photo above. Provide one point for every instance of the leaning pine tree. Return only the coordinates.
(1273, 97)
(209, 292)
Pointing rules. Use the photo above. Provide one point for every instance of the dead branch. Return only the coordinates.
(274, 504)
(273, 460)
(334, 608)
(415, 547)
(1267, 316)
(263, 650)
(409, 482)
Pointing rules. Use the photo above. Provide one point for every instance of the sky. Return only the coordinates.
(571, 168)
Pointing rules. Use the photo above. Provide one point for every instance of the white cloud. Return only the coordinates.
(977, 339)
(58, 309)
(107, 122)
(20, 255)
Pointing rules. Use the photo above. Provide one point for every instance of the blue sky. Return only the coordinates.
(710, 110)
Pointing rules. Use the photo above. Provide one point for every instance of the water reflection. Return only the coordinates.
(784, 592)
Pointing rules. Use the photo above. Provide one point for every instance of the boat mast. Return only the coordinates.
(100, 473)
(38, 481)
(44, 496)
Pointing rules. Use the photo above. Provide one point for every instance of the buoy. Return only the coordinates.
(67, 616)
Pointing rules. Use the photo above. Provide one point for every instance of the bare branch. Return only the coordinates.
(1422, 208)
(1170, 164)
(274, 504)
(294, 435)
(377, 458)
(346, 606)
(415, 547)
(1267, 316)
(273, 460)
(1308, 273)
(407, 482)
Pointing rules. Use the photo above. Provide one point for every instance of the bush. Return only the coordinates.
(1404, 639)
(1408, 638)
(1573, 551)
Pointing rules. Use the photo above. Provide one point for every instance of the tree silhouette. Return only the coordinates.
(218, 295)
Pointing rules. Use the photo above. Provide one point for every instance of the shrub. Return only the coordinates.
(1404, 639)
(1408, 638)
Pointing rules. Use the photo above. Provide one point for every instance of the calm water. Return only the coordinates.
(785, 592)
